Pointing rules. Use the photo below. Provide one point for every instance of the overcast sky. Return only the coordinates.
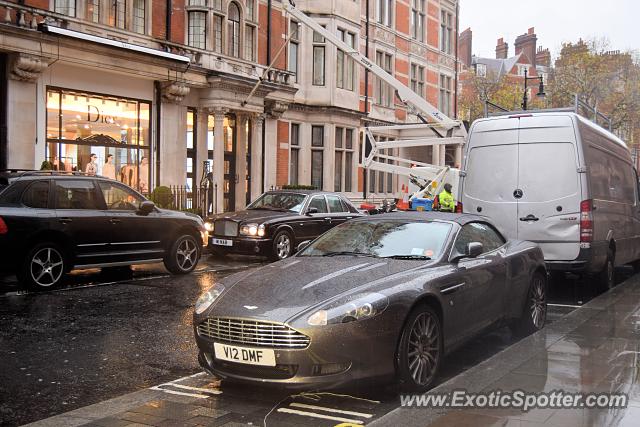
(555, 21)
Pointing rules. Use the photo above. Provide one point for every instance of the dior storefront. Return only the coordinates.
(116, 131)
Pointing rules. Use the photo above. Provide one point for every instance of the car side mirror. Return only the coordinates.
(312, 211)
(146, 208)
(303, 245)
(474, 250)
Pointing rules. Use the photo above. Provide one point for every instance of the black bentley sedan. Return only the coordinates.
(386, 296)
(52, 222)
(278, 220)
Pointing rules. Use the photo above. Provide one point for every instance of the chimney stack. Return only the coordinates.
(502, 49)
(465, 46)
(543, 57)
(526, 44)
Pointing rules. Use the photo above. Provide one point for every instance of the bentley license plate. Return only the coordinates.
(222, 242)
(249, 356)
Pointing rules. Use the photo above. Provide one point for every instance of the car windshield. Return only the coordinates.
(279, 202)
(384, 239)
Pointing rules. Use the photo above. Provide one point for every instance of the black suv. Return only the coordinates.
(52, 222)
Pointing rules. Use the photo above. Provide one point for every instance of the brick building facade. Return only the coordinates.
(162, 86)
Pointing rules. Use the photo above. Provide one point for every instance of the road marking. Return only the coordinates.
(322, 416)
(175, 382)
(564, 305)
(204, 390)
(325, 409)
(180, 393)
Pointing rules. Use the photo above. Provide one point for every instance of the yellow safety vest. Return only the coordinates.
(446, 201)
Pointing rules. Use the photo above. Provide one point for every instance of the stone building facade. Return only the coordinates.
(159, 87)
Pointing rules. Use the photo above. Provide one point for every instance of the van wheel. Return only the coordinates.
(606, 279)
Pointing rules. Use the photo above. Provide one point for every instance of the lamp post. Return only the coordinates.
(525, 97)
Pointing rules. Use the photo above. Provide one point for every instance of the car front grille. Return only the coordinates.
(251, 332)
(225, 228)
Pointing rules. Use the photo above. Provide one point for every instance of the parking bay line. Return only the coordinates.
(325, 409)
(315, 415)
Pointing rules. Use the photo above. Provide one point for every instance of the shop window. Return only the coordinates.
(115, 129)
(93, 10)
(317, 156)
(192, 145)
(295, 154)
(65, 7)
(233, 30)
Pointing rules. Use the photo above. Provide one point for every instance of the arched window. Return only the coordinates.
(233, 30)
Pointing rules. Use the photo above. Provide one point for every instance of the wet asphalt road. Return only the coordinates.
(102, 337)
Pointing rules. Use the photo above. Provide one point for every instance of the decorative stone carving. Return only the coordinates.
(275, 109)
(26, 67)
(416, 49)
(385, 36)
(174, 92)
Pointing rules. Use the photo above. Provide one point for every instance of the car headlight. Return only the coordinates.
(209, 297)
(356, 308)
(209, 226)
(253, 230)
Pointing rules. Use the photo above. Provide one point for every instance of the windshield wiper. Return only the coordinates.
(416, 257)
(328, 254)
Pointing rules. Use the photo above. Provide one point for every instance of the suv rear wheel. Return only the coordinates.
(183, 256)
(43, 267)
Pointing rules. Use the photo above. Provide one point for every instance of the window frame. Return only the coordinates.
(315, 149)
(417, 20)
(319, 45)
(294, 148)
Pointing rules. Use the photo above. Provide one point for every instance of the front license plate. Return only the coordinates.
(222, 242)
(249, 356)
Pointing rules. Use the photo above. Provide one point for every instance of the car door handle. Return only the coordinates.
(115, 221)
(449, 289)
(529, 218)
(65, 220)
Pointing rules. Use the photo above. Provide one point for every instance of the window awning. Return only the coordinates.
(46, 28)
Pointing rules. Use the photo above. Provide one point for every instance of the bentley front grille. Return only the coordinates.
(253, 333)
(225, 228)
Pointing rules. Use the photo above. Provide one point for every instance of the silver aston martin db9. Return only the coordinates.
(384, 297)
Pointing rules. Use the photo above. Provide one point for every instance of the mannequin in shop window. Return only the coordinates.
(109, 169)
(92, 166)
(129, 175)
(144, 175)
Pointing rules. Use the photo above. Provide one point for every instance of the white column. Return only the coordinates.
(271, 152)
(256, 156)
(435, 155)
(173, 123)
(218, 159)
(201, 141)
(22, 108)
(241, 161)
(458, 161)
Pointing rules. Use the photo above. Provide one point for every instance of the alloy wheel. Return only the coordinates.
(538, 302)
(46, 267)
(424, 348)
(186, 255)
(283, 246)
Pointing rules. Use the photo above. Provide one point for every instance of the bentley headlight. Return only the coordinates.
(358, 307)
(208, 298)
(252, 230)
(209, 226)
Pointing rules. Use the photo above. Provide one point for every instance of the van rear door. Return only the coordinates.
(549, 186)
(492, 173)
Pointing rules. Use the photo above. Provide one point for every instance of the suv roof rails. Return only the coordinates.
(32, 172)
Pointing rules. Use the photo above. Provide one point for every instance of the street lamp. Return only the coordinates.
(541, 94)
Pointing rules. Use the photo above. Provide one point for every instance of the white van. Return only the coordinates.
(561, 181)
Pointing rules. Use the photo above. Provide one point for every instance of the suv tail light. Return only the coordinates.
(459, 207)
(586, 221)
(3, 227)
